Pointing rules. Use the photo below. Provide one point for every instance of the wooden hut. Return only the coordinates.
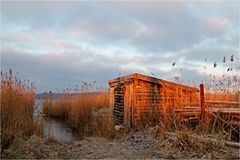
(133, 95)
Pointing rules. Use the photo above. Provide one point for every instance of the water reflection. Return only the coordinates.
(60, 131)
(54, 128)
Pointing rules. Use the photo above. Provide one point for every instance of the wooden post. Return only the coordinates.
(111, 103)
(202, 103)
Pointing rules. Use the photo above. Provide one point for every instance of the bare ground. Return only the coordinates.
(89, 147)
(138, 145)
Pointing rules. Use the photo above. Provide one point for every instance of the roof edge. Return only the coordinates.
(147, 78)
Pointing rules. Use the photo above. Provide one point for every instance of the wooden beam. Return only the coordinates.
(202, 104)
(223, 102)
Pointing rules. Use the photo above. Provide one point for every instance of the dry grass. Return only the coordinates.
(85, 112)
(180, 140)
(185, 142)
(17, 107)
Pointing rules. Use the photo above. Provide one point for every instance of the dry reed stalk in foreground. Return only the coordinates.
(187, 142)
(17, 107)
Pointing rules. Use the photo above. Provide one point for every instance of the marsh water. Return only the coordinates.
(54, 128)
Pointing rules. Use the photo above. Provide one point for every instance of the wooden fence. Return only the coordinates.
(227, 107)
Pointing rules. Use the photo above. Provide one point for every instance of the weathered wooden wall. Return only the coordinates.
(121, 96)
(136, 95)
(155, 99)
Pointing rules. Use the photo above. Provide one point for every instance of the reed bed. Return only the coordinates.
(17, 107)
(85, 112)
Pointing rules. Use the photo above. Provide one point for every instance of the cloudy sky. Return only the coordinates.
(61, 43)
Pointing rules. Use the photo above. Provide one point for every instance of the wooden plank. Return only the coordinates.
(202, 104)
(117, 113)
(224, 110)
(119, 119)
(111, 102)
(223, 102)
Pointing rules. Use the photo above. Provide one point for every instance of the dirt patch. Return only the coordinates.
(89, 147)
(136, 145)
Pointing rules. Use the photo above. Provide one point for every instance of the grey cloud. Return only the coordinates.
(38, 41)
(55, 71)
(147, 26)
(53, 14)
(180, 32)
(161, 32)
(211, 54)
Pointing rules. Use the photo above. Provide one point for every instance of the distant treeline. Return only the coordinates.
(57, 95)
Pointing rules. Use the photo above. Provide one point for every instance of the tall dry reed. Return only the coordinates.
(86, 112)
(17, 107)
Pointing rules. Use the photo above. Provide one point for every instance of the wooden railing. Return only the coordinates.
(224, 110)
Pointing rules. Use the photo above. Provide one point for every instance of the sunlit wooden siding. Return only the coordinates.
(143, 94)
